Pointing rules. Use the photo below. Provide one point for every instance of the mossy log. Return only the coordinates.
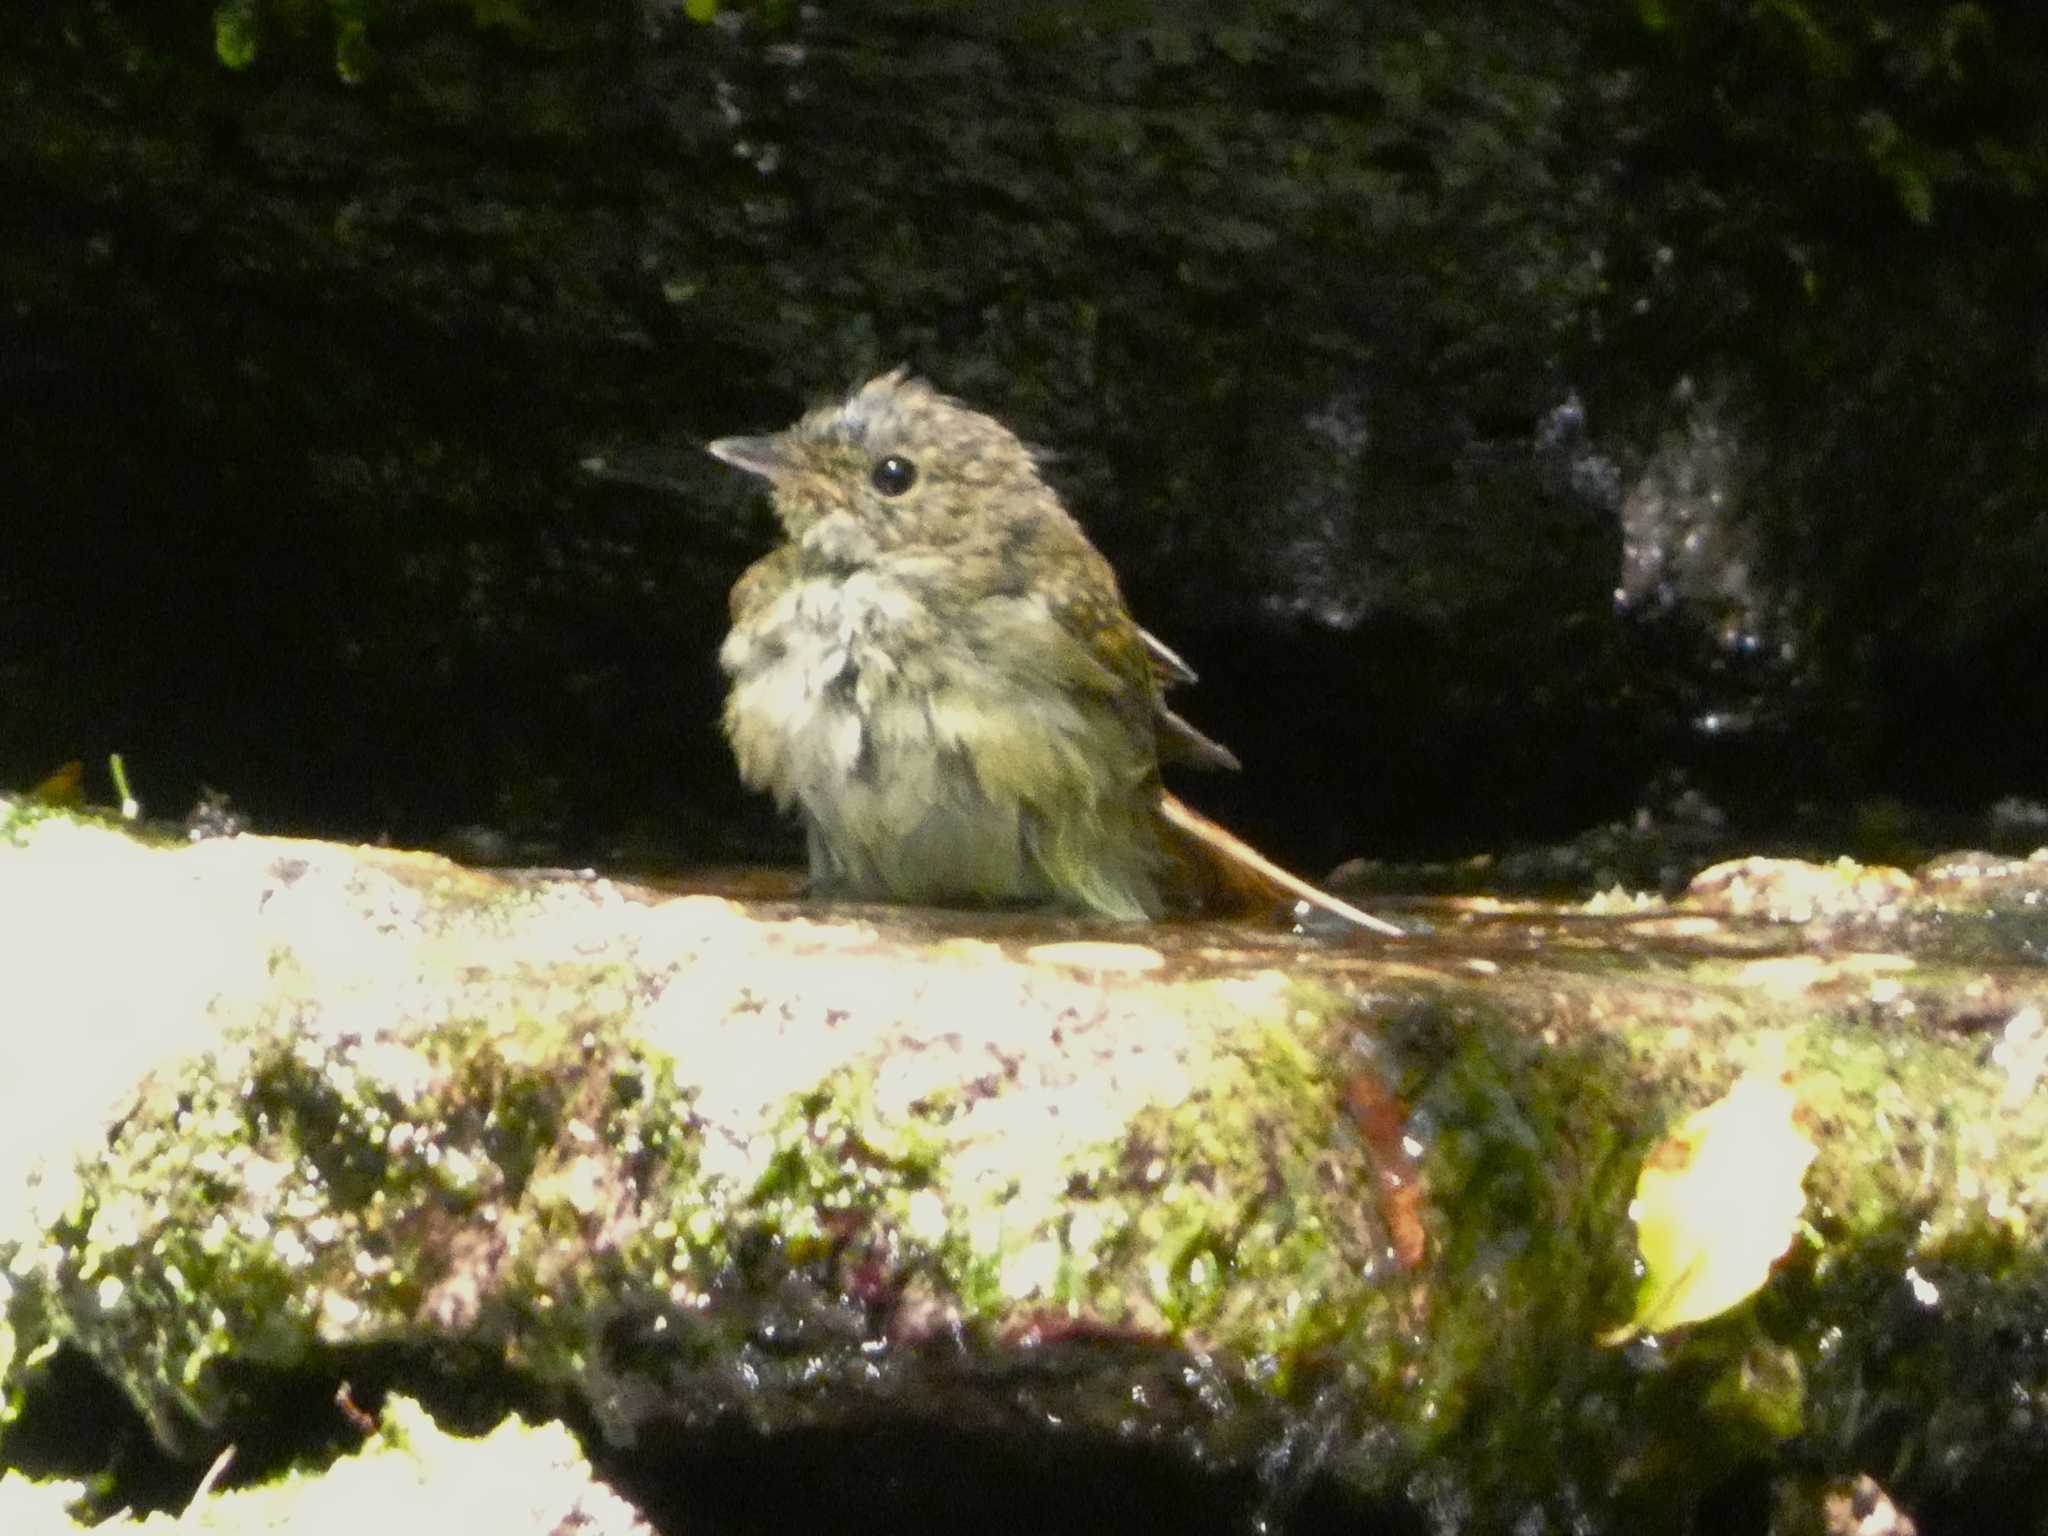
(671, 1160)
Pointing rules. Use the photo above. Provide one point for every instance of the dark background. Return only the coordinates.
(1519, 414)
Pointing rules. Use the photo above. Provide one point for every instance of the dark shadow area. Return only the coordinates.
(77, 1425)
(925, 1480)
(902, 1479)
(296, 393)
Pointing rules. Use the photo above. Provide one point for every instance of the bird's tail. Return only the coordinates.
(1229, 867)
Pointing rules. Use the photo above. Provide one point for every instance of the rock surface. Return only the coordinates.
(675, 1162)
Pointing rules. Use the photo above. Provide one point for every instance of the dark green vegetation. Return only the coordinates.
(1354, 327)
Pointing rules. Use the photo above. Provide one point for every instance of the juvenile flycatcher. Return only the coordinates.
(936, 670)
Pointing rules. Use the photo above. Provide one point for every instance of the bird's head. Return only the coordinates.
(894, 465)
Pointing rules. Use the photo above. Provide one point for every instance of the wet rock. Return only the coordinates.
(1796, 891)
(666, 1162)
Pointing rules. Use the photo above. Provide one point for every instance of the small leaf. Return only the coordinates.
(65, 787)
(1717, 1203)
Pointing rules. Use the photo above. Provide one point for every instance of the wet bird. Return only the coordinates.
(936, 670)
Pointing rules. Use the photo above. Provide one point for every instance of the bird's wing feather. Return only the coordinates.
(1179, 741)
(1168, 665)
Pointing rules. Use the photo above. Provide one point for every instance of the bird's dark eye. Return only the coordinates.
(894, 475)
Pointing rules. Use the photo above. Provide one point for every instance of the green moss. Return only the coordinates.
(235, 37)
(835, 1163)
(353, 59)
(287, 1194)
(241, 28)
(1534, 1141)
(339, 1138)
(1237, 1217)
(17, 815)
(21, 817)
(524, 1176)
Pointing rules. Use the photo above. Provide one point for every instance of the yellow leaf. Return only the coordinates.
(65, 787)
(1717, 1203)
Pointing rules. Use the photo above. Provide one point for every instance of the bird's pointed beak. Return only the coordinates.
(767, 457)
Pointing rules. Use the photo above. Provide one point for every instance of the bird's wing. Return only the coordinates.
(1168, 665)
(1104, 650)
(1072, 638)
(1180, 742)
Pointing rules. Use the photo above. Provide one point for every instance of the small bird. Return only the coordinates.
(936, 670)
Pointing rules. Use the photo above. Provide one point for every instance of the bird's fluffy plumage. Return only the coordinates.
(937, 671)
(943, 681)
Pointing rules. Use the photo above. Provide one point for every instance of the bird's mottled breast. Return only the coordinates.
(825, 630)
(814, 668)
